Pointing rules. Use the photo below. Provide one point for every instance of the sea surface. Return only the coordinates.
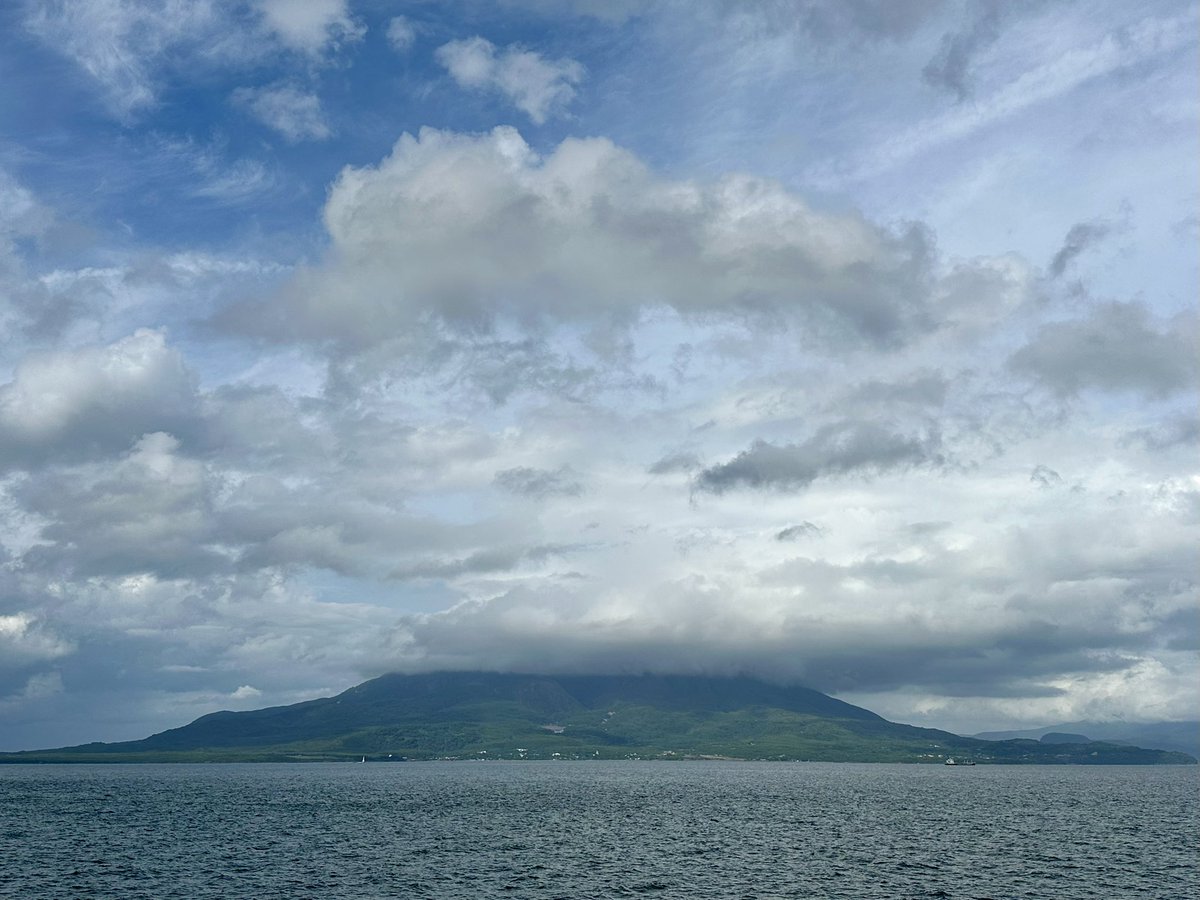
(598, 829)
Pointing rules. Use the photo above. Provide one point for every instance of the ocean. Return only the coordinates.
(692, 829)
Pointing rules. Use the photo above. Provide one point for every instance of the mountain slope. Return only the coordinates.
(492, 716)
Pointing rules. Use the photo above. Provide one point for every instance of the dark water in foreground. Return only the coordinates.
(583, 829)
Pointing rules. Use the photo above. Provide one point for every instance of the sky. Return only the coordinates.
(851, 344)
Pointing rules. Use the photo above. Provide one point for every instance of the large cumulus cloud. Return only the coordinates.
(467, 228)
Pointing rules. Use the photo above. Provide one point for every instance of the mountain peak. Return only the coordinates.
(491, 715)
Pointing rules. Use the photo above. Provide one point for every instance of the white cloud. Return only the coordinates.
(24, 640)
(241, 180)
(401, 34)
(539, 87)
(21, 213)
(122, 43)
(71, 404)
(220, 177)
(864, 607)
(311, 26)
(22, 216)
(130, 48)
(294, 113)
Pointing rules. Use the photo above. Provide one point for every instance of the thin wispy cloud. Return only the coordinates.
(1066, 71)
(401, 34)
(293, 112)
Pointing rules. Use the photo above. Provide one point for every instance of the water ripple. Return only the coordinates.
(452, 831)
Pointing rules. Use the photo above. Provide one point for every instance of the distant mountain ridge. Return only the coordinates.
(1182, 737)
(485, 715)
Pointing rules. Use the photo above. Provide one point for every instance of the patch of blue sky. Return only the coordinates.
(410, 597)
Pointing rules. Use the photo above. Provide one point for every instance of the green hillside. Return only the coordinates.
(477, 715)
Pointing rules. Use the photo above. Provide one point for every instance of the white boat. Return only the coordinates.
(951, 761)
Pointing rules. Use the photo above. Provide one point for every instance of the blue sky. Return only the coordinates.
(847, 343)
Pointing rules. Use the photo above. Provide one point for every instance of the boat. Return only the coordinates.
(951, 761)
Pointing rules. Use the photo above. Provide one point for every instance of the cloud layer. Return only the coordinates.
(846, 343)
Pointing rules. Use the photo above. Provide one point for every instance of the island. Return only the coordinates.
(494, 716)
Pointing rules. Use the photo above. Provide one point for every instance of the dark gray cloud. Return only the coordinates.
(1181, 430)
(840, 449)
(45, 315)
(1082, 236)
(681, 461)
(1117, 347)
(540, 483)
(923, 389)
(1012, 652)
(950, 66)
(348, 531)
(1181, 628)
(1045, 477)
(842, 19)
(263, 483)
(150, 510)
(502, 369)
(491, 559)
(928, 529)
(262, 429)
(797, 532)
